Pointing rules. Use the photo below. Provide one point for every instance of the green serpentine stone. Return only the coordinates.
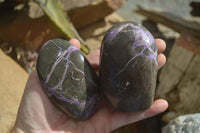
(68, 78)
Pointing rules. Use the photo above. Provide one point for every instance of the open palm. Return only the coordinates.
(37, 113)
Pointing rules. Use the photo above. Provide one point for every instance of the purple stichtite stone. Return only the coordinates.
(128, 67)
(68, 78)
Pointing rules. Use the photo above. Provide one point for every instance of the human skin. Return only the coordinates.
(38, 114)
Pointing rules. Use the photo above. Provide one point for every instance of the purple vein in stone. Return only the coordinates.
(70, 50)
(138, 54)
(59, 85)
(113, 33)
(82, 73)
(146, 42)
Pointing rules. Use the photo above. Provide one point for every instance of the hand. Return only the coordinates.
(37, 113)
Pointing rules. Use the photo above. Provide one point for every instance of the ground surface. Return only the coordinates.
(178, 7)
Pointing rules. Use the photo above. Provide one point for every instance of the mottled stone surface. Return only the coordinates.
(68, 78)
(128, 67)
(184, 124)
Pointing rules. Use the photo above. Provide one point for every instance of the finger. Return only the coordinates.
(161, 45)
(161, 60)
(120, 119)
(76, 43)
(93, 58)
(157, 107)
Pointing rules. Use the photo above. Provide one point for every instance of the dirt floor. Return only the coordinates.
(177, 7)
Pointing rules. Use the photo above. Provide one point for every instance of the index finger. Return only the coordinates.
(76, 43)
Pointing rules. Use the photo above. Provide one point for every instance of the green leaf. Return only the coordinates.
(53, 10)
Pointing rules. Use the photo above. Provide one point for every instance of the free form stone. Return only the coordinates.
(128, 67)
(68, 79)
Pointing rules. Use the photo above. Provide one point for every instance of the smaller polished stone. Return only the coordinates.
(68, 79)
(128, 67)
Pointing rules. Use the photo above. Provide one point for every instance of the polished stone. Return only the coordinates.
(68, 78)
(128, 67)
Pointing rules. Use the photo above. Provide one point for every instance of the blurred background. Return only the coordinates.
(25, 25)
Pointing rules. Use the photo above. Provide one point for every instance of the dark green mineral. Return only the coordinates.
(68, 79)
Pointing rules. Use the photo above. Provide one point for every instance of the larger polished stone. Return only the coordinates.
(128, 67)
(68, 78)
